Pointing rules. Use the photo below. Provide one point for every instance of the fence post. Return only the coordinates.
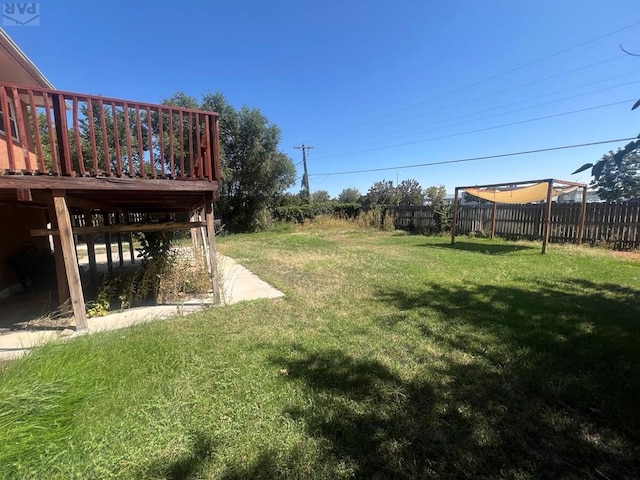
(493, 219)
(547, 218)
(583, 214)
(455, 217)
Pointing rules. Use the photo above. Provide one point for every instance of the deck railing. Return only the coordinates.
(50, 132)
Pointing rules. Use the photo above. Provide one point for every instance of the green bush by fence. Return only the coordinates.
(300, 213)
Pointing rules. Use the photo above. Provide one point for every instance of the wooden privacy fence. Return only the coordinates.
(616, 223)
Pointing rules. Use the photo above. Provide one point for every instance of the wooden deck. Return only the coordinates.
(69, 153)
(93, 147)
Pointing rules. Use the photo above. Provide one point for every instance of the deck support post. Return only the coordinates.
(211, 237)
(91, 248)
(547, 217)
(196, 240)
(455, 217)
(107, 242)
(120, 249)
(132, 250)
(70, 259)
(61, 277)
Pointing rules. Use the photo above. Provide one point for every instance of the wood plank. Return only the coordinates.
(116, 139)
(22, 132)
(196, 242)
(6, 120)
(583, 213)
(216, 148)
(62, 135)
(107, 242)
(61, 276)
(70, 259)
(140, 143)
(120, 249)
(92, 136)
(127, 132)
(105, 183)
(105, 138)
(172, 171)
(24, 195)
(36, 131)
(76, 131)
(152, 165)
(206, 144)
(191, 157)
(547, 223)
(181, 144)
(161, 141)
(455, 218)
(122, 228)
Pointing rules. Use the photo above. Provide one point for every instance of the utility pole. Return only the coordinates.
(305, 178)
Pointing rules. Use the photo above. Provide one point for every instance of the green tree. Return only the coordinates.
(617, 158)
(320, 196)
(441, 209)
(435, 196)
(254, 171)
(382, 193)
(618, 181)
(349, 195)
(410, 193)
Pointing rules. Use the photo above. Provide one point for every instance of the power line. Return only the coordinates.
(377, 135)
(508, 112)
(478, 130)
(498, 75)
(472, 159)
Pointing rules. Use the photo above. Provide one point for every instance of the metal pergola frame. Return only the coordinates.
(547, 224)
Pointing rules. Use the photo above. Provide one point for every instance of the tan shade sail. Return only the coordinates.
(533, 193)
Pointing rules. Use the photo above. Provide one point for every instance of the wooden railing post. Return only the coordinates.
(207, 147)
(62, 134)
(216, 148)
(22, 131)
(6, 120)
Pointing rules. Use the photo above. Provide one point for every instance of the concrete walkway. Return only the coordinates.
(238, 285)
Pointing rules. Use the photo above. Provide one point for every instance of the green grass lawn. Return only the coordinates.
(391, 356)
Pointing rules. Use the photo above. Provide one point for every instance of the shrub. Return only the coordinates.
(300, 213)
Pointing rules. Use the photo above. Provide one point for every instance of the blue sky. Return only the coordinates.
(373, 84)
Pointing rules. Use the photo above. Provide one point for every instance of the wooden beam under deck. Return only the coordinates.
(122, 228)
(43, 197)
